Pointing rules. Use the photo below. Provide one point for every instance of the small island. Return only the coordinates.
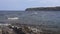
(57, 8)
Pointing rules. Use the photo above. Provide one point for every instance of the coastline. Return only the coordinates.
(43, 9)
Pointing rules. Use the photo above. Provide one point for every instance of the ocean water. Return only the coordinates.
(49, 18)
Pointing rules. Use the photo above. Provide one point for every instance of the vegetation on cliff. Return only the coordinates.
(44, 9)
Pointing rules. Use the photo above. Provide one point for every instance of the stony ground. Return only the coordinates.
(23, 29)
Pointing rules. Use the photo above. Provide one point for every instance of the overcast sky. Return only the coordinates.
(23, 4)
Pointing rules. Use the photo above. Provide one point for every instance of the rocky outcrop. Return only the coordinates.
(44, 9)
(23, 29)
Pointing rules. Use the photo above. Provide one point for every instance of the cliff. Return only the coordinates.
(44, 9)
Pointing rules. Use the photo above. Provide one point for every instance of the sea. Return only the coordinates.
(46, 18)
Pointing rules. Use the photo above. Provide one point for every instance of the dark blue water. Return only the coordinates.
(51, 18)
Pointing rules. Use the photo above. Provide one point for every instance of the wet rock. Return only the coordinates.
(18, 31)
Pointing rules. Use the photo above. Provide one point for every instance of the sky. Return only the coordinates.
(23, 4)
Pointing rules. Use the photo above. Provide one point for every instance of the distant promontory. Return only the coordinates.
(44, 9)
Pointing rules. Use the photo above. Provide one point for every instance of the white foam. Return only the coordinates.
(5, 24)
(35, 13)
(15, 18)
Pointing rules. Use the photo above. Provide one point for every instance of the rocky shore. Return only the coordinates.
(24, 29)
